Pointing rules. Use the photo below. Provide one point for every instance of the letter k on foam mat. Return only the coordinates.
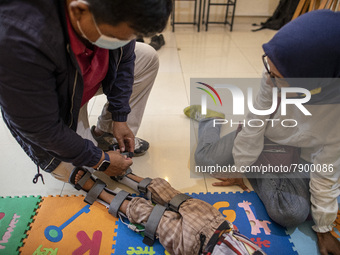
(67, 225)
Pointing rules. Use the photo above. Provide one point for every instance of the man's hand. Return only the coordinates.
(124, 136)
(118, 163)
(236, 180)
(328, 244)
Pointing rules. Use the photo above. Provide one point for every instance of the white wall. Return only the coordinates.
(184, 9)
(256, 7)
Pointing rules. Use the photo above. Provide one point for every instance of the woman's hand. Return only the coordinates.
(328, 244)
(236, 180)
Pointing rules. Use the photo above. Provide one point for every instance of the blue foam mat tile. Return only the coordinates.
(304, 238)
(128, 242)
(243, 209)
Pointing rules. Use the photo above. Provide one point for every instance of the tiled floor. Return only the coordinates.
(187, 53)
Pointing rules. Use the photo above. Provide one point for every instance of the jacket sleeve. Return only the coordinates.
(29, 98)
(248, 143)
(118, 89)
(325, 188)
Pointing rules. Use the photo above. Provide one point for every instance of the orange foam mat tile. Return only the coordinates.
(68, 225)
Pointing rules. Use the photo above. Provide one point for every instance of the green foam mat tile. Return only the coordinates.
(16, 214)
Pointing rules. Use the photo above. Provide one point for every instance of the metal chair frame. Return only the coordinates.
(198, 23)
(228, 4)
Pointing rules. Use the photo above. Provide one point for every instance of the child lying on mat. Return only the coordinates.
(184, 226)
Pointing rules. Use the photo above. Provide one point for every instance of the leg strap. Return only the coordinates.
(143, 185)
(138, 187)
(120, 177)
(177, 201)
(94, 192)
(123, 179)
(152, 224)
(117, 202)
(83, 180)
(87, 175)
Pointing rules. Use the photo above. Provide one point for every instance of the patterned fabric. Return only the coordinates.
(180, 233)
(189, 231)
(233, 243)
(161, 191)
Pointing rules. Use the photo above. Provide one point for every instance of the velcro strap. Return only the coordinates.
(143, 185)
(93, 193)
(152, 224)
(214, 239)
(118, 178)
(117, 202)
(177, 200)
(83, 180)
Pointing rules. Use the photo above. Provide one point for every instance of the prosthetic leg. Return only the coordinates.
(160, 193)
(165, 200)
(184, 225)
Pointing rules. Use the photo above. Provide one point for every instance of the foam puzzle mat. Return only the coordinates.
(305, 239)
(16, 213)
(67, 225)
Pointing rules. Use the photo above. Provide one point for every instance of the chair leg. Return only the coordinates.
(203, 14)
(195, 12)
(208, 12)
(199, 16)
(226, 14)
(173, 16)
(232, 17)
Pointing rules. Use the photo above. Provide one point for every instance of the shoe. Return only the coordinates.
(141, 146)
(161, 40)
(194, 112)
(157, 41)
(104, 141)
(140, 39)
(107, 142)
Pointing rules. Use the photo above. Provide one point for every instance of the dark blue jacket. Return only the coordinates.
(41, 85)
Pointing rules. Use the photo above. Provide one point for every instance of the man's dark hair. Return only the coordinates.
(146, 17)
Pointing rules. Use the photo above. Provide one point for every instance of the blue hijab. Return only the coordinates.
(309, 48)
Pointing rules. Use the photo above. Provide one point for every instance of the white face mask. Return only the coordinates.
(104, 41)
(107, 42)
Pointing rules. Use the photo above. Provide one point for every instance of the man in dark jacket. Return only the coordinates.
(55, 56)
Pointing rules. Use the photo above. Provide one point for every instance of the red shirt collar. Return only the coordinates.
(77, 45)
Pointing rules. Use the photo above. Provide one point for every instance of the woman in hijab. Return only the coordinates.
(305, 53)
